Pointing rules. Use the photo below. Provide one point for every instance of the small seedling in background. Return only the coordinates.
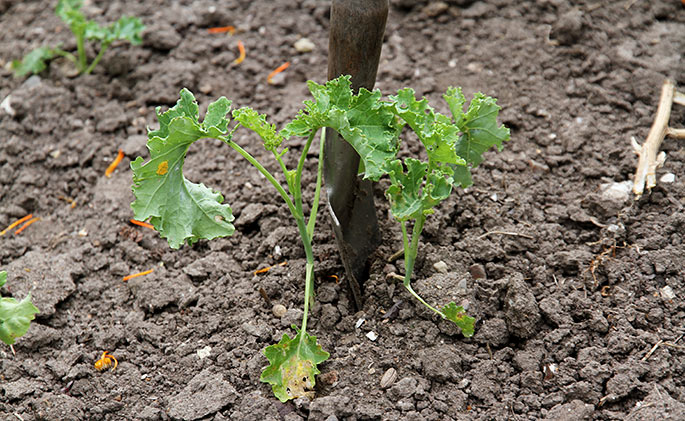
(15, 317)
(126, 28)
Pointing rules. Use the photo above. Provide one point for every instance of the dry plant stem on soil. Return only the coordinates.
(649, 160)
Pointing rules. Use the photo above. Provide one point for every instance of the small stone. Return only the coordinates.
(667, 178)
(667, 293)
(440, 266)
(304, 45)
(388, 378)
(435, 8)
(6, 106)
(619, 192)
(477, 271)
(372, 335)
(279, 310)
(203, 353)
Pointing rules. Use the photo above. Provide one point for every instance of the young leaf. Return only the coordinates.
(434, 130)
(479, 130)
(15, 317)
(414, 193)
(458, 315)
(293, 365)
(362, 119)
(178, 209)
(258, 124)
(33, 62)
(69, 12)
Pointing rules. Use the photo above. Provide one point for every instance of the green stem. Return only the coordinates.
(296, 188)
(266, 174)
(411, 251)
(418, 297)
(80, 46)
(72, 58)
(299, 218)
(317, 192)
(308, 288)
(97, 58)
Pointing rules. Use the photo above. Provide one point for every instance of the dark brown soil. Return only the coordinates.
(576, 294)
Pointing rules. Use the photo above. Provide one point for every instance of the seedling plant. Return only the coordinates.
(183, 211)
(15, 317)
(126, 28)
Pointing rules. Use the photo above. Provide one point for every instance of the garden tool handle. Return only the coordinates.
(356, 38)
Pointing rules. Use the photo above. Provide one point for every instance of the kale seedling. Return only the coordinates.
(453, 146)
(15, 317)
(185, 212)
(126, 28)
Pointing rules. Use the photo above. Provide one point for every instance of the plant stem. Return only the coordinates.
(82, 64)
(411, 251)
(418, 297)
(296, 211)
(266, 174)
(97, 59)
(317, 191)
(308, 288)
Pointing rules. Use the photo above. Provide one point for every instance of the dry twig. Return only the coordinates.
(649, 160)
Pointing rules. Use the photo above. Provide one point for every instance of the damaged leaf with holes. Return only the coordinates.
(293, 365)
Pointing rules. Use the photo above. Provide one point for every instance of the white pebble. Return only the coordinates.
(440, 266)
(667, 293)
(279, 310)
(667, 178)
(372, 335)
(204, 352)
(304, 45)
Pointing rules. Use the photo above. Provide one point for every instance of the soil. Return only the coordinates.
(577, 287)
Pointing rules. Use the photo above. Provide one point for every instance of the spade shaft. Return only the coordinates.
(356, 38)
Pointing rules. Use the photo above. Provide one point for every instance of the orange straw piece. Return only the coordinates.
(141, 223)
(114, 163)
(135, 275)
(14, 224)
(241, 57)
(278, 70)
(268, 268)
(222, 29)
(26, 224)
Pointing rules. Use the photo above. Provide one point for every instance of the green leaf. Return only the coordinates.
(34, 62)
(127, 28)
(458, 315)
(434, 130)
(416, 192)
(15, 317)
(293, 365)
(404, 193)
(178, 209)
(479, 130)
(257, 123)
(69, 12)
(362, 120)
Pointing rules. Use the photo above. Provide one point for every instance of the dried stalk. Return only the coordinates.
(649, 161)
